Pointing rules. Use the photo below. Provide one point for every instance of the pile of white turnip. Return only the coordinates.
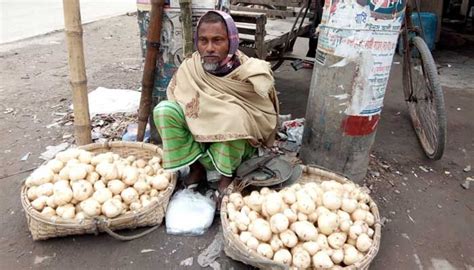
(78, 184)
(305, 225)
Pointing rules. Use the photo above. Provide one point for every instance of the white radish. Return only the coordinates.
(301, 259)
(265, 250)
(82, 189)
(260, 229)
(129, 195)
(336, 240)
(289, 238)
(331, 200)
(322, 260)
(279, 223)
(328, 222)
(91, 207)
(283, 256)
(112, 208)
(102, 195)
(363, 242)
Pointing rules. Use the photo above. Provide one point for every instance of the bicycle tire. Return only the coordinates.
(426, 102)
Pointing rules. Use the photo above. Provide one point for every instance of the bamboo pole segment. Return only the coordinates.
(186, 19)
(153, 47)
(77, 71)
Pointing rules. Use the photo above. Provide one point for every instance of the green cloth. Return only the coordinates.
(180, 149)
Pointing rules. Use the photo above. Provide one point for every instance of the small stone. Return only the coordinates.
(423, 169)
(187, 262)
(465, 185)
(374, 173)
(397, 191)
(384, 221)
(447, 172)
(468, 168)
(439, 206)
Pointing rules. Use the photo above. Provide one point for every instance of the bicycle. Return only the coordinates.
(422, 89)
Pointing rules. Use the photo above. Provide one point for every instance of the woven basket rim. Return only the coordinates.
(88, 222)
(249, 255)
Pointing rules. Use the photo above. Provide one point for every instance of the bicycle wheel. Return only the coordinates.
(424, 97)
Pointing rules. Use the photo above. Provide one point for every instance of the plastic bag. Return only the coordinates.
(130, 133)
(294, 130)
(295, 134)
(189, 213)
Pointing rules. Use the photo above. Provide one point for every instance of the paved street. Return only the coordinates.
(21, 19)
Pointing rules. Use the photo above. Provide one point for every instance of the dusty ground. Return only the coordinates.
(429, 216)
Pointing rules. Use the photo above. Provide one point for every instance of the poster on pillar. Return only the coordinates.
(364, 32)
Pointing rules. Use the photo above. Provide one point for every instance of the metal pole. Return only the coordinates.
(356, 44)
(77, 71)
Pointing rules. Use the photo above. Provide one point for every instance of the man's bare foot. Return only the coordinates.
(197, 173)
(224, 182)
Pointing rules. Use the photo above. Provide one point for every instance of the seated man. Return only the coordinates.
(221, 105)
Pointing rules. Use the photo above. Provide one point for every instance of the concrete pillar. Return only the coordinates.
(356, 44)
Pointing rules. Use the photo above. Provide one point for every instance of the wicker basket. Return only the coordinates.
(43, 227)
(237, 250)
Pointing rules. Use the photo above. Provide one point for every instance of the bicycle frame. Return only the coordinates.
(407, 29)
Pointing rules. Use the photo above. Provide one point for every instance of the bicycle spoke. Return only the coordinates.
(427, 115)
(430, 123)
(422, 98)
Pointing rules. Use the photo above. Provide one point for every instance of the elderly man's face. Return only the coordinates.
(213, 44)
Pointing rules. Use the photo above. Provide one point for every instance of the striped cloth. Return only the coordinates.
(180, 149)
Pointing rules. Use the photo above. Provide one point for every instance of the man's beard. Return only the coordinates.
(210, 66)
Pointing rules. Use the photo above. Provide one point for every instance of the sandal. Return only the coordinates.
(193, 187)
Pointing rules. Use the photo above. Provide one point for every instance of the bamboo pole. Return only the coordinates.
(186, 19)
(153, 47)
(77, 71)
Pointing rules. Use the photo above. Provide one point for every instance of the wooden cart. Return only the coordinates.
(269, 28)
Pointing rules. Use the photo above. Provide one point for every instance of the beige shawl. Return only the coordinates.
(240, 105)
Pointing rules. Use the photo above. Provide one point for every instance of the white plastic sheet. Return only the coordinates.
(108, 101)
(189, 213)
